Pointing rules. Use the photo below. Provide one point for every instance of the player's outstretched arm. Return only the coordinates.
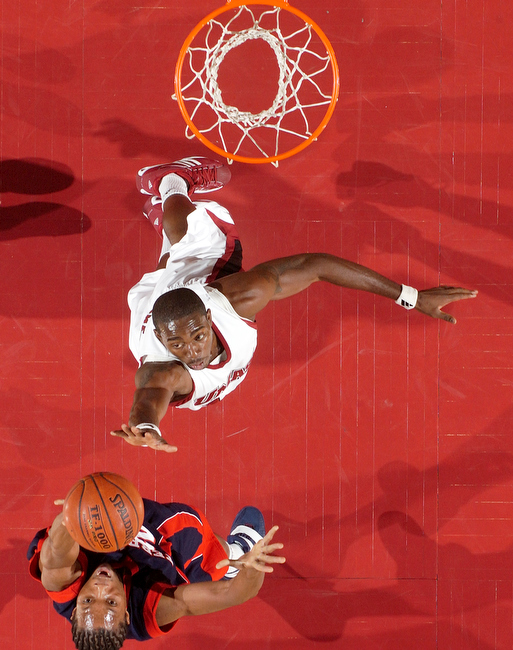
(157, 384)
(277, 279)
(58, 559)
(208, 597)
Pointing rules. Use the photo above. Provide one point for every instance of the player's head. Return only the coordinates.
(184, 327)
(100, 618)
(175, 305)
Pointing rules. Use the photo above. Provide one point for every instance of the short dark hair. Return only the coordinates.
(175, 304)
(99, 638)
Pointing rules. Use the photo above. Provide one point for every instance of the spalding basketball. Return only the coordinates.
(103, 512)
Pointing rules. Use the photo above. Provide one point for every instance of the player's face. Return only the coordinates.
(101, 602)
(190, 339)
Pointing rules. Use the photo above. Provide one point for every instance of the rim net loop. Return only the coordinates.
(245, 118)
(307, 84)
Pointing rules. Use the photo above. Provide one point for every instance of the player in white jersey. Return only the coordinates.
(236, 336)
(192, 327)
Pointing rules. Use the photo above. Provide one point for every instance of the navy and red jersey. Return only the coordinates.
(175, 546)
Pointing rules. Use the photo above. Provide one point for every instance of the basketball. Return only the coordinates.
(103, 512)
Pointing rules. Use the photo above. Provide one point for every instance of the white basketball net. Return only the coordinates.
(203, 89)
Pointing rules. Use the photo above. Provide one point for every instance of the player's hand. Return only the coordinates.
(432, 301)
(143, 438)
(259, 557)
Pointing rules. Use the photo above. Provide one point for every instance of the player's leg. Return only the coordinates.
(170, 216)
(175, 210)
(247, 529)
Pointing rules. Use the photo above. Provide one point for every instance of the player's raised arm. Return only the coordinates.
(207, 597)
(277, 279)
(58, 560)
(157, 384)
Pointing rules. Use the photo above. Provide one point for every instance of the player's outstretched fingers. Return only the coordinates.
(259, 557)
(264, 561)
(458, 293)
(158, 443)
(143, 438)
(125, 432)
(270, 534)
(446, 317)
(432, 301)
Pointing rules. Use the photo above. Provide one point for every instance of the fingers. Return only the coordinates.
(263, 568)
(142, 437)
(273, 547)
(444, 295)
(458, 291)
(460, 295)
(118, 433)
(58, 502)
(448, 318)
(159, 444)
(272, 559)
(259, 557)
(432, 301)
(125, 432)
(270, 534)
(262, 562)
(442, 315)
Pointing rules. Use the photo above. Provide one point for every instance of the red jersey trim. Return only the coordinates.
(226, 349)
(71, 591)
(210, 549)
(226, 265)
(34, 569)
(150, 610)
(251, 323)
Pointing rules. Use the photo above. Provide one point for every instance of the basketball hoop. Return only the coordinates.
(307, 81)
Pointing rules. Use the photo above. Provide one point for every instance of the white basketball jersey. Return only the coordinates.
(237, 335)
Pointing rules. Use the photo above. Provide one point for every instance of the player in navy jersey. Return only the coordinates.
(192, 324)
(175, 566)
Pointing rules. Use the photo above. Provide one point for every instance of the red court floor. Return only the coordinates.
(380, 441)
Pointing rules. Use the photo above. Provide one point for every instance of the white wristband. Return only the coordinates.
(408, 297)
(149, 425)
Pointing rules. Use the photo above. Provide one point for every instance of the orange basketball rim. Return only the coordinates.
(307, 75)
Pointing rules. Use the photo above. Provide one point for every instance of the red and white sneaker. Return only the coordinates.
(152, 210)
(201, 174)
